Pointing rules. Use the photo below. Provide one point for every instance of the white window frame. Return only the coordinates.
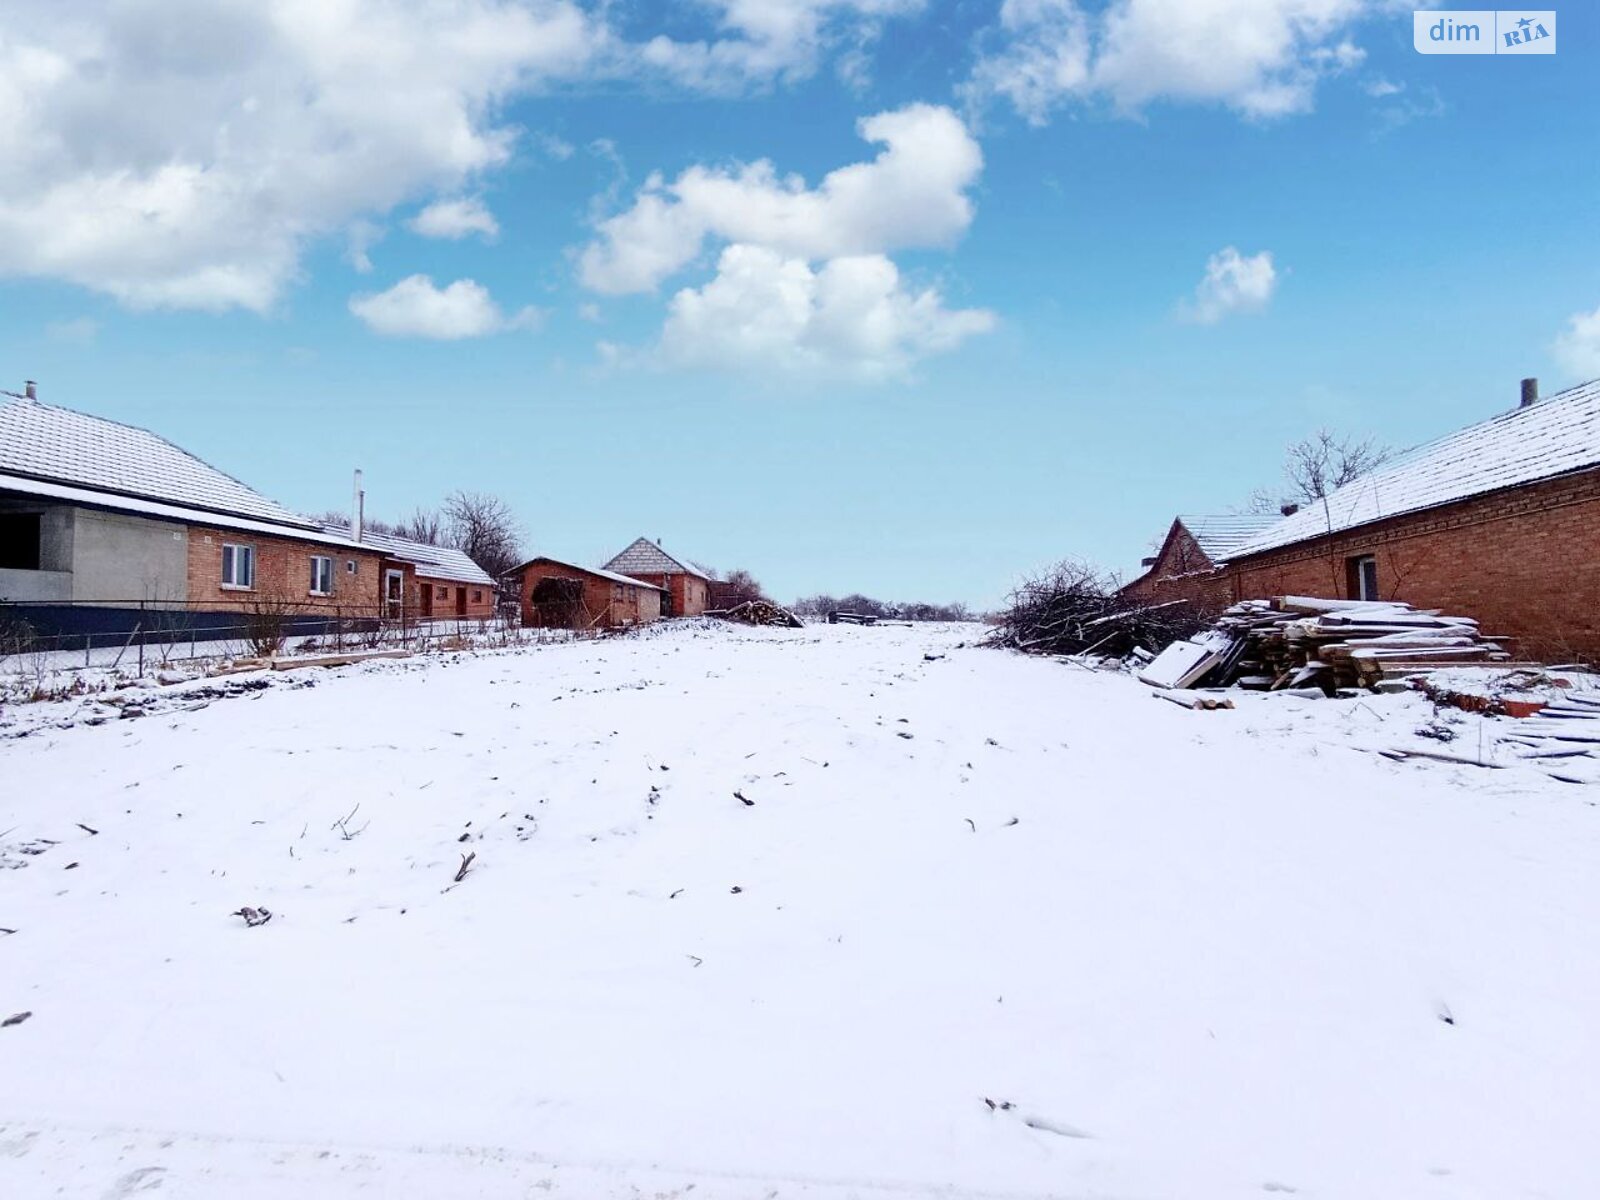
(321, 573)
(232, 553)
(1365, 564)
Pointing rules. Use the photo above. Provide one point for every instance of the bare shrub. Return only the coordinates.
(1073, 609)
(266, 625)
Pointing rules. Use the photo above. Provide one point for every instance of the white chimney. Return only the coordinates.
(357, 510)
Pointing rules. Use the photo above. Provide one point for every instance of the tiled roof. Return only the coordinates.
(1550, 437)
(432, 562)
(645, 557)
(600, 571)
(40, 441)
(157, 510)
(1219, 535)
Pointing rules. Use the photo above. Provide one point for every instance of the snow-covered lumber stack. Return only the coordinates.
(1303, 641)
(758, 612)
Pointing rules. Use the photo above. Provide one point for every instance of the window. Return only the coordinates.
(1363, 572)
(321, 575)
(476, 595)
(350, 565)
(443, 593)
(19, 541)
(238, 566)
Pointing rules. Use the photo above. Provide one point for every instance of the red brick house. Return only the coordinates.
(430, 582)
(106, 528)
(1499, 521)
(688, 590)
(1189, 564)
(564, 595)
(101, 522)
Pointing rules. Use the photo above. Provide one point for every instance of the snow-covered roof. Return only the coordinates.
(57, 445)
(1550, 437)
(600, 571)
(163, 512)
(1220, 534)
(645, 557)
(432, 562)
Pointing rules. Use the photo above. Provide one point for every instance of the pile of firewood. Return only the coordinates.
(1301, 641)
(759, 612)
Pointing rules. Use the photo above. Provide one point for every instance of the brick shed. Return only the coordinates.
(434, 582)
(565, 595)
(688, 590)
(1189, 564)
(1499, 521)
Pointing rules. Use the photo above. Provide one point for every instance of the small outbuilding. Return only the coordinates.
(1189, 564)
(562, 595)
(687, 589)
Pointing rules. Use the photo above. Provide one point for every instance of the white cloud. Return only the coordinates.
(181, 153)
(360, 238)
(1262, 58)
(761, 41)
(455, 219)
(852, 317)
(1578, 345)
(590, 311)
(414, 307)
(913, 194)
(1233, 283)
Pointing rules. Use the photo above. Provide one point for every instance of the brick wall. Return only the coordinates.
(690, 594)
(609, 603)
(446, 598)
(1182, 572)
(283, 571)
(1525, 562)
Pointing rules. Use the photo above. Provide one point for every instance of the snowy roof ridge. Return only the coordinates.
(432, 562)
(60, 445)
(646, 557)
(600, 571)
(1220, 534)
(1554, 436)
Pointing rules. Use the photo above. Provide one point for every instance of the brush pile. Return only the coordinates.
(1072, 611)
(1302, 641)
(759, 612)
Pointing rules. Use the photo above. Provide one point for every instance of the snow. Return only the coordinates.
(991, 926)
(40, 442)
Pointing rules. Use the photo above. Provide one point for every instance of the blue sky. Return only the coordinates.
(988, 344)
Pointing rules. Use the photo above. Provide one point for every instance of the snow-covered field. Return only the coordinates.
(825, 913)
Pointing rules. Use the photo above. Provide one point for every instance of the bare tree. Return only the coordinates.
(423, 525)
(1258, 502)
(483, 527)
(739, 586)
(1325, 462)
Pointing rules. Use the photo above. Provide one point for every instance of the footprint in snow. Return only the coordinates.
(145, 1179)
(1045, 1125)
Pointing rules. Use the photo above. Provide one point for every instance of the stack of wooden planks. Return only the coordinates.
(1303, 641)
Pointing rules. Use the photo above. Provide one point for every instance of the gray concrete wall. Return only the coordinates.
(119, 558)
(35, 587)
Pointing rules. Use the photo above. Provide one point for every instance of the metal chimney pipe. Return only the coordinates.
(1530, 392)
(30, 390)
(358, 504)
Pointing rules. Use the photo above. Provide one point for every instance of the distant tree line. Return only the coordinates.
(822, 604)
